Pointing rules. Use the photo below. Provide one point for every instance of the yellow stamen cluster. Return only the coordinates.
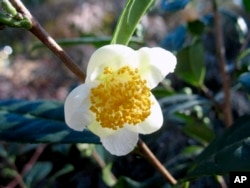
(122, 97)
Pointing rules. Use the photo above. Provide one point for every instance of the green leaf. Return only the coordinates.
(197, 129)
(39, 171)
(191, 67)
(8, 7)
(246, 4)
(67, 168)
(196, 27)
(228, 152)
(107, 175)
(15, 22)
(242, 60)
(124, 182)
(38, 121)
(192, 150)
(130, 17)
(180, 102)
(244, 79)
(178, 99)
(160, 92)
(243, 54)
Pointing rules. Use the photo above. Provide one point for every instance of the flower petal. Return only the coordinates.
(115, 56)
(76, 107)
(120, 143)
(152, 123)
(155, 64)
(98, 130)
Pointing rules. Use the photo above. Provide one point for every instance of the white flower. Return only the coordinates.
(115, 102)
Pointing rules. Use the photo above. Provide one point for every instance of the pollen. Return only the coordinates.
(122, 97)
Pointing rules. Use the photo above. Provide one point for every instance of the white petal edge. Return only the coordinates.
(76, 107)
(152, 123)
(155, 64)
(120, 143)
(115, 56)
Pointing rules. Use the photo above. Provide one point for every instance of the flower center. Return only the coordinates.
(122, 97)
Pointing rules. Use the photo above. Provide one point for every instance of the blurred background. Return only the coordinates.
(28, 70)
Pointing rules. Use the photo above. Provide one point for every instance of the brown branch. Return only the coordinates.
(33, 159)
(220, 52)
(221, 181)
(44, 37)
(156, 163)
(26, 168)
(18, 179)
(217, 106)
(102, 164)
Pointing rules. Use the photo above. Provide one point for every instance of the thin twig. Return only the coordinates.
(18, 181)
(33, 159)
(157, 164)
(44, 37)
(220, 51)
(26, 168)
(221, 181)
(207, 93)
(102, 164)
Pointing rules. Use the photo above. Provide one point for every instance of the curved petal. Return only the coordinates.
(155, 64)
(120, 143)
(76, 107)
(115, 56)
(152, 123)
(98, 130)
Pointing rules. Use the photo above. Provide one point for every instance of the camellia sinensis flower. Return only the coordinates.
(115, 102)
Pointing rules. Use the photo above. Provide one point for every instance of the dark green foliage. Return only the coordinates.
(196, 27)
(191, 67)
(244, 79)
(129, 19)
(38, 121)
(228, 152)
(246, 4)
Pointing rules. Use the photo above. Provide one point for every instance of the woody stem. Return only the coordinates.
(156, 163)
